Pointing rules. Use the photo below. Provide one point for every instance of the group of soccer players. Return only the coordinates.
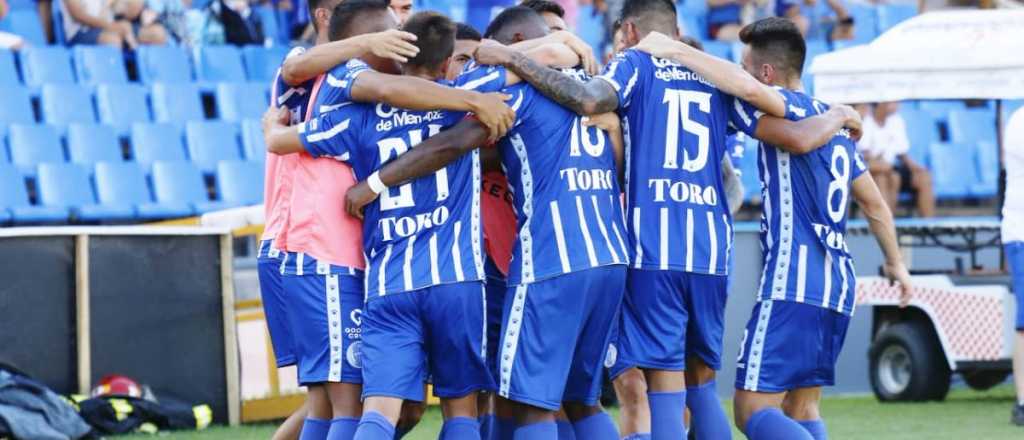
(486, 215)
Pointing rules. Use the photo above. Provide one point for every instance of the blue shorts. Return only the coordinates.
(325, 312)
(555, 335)
(268, 265)
(85, 35)
(1015, 260)
(789, 345)
(668, 316)
(437, 330)
(495, 302)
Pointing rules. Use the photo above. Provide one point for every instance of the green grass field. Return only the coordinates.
(964, 415)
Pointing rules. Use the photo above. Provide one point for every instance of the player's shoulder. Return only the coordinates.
(800, 105)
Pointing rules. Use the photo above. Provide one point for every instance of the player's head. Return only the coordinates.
(641, 17)
(320, 14)
(435, 37)
(358, 17)
(618, 38)
(402, 9)
(774, 51)
(552, 13)
(516, 24)
(692, 42)
(466, 41)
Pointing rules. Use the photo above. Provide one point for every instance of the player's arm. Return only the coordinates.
(728, 77)
(280, 137)
(808, 134)
(584, 53)
(610, 123)
(734, 189)
(880, 220)
(393, 44)
(429, 156)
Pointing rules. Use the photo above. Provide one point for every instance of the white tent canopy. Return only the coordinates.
(953, 54)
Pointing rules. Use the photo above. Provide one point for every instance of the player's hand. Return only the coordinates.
(608, 122)
(583, 50)
(357, 197)
(852, 120)
(659, 45)
(274, 118)
(897, 272)
(392, 44)
(494, 113)
(492, 53)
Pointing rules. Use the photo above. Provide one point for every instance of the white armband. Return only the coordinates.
(375, 184)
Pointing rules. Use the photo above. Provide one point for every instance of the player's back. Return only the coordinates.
(803, 222)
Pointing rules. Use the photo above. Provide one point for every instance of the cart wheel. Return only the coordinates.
(907, 364)
(982, 380)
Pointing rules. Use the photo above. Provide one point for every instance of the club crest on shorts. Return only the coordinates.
(354, 354)
(611, 356)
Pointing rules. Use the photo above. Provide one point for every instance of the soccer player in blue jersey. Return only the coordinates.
(679, 227)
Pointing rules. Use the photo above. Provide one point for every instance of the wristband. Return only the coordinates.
(375, 184)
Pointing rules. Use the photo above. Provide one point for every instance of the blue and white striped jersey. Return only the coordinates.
(803, 222)
(676, 124)
(295, 98)
(423, 233)
(562, 176)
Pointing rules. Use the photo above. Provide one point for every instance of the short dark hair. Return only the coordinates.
(435, 36)
(503, 26)
(464, 31)
(542, 6)
(651, 15)
(346, 13)
(692, 42)
(776, 41)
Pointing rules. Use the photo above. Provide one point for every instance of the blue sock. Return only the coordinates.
(816, 428)
(565, 430)
(374, 426)
(772, 424)
(399, 433)
(343, 428)
(638, 436)
(315, 429)
(487, 428)
(597, 427)
(707, 418)
(460, 428)
(537, 431)
(504, 429)
(667, 414)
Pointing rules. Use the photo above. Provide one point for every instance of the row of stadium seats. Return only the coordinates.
(124, 191)
(206, 143)
(121, 105)
(92, 65)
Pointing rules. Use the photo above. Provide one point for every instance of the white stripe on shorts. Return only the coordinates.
(511, 341)
(757, 346)
(333, 300)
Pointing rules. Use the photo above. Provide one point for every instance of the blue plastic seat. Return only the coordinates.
(176, 102)
(99, 65)
(240, 183)
(209, 142)
(866, 22)
(124, 184)
(182, 182)
(156, 142)
(237, 101)
(922, 131)
(261, 63)
(940, 108)
(163, 64)
(814, 48)
(26, 24)
(17, 106)
(252, 141)
(719, 49)
(891, 14)
(972, 126)
(63, 104)
(67, 185)
(121, 105)
(15, 204)
(953, 170)
(92, 143)
(32, 145)
(46, 65)
(216, 64)
(986, 159)
(8, 69)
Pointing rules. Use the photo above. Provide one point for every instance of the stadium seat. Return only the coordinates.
(986, 159)
(26, 24)
(163, 64)
(34, 144)
(99, 65)
(719, 49)
(1010, 106)
(63, 104)
(121, 105)
(15, 204)
(92, 143)
(972, 126)
(216, 64)
(891, 14)
(57, 16)
(252, 140)
(865, 19)
(237, 101)
(261, 63)
(8, 69)
(922, 131)
(182, 182)
(46, 65)
(941, 108)
(209, 142)
(240, 183)
(68, 185)
(156, 142)
(124, 184)
(177, 102)
(952, 169)
(17, 106)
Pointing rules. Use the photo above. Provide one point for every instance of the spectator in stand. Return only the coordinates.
(171, 15)
(7, 39)
(725, 18)
(402, 9)
(802, 13)
(122, 23)
(885, 146)
(1013, 240)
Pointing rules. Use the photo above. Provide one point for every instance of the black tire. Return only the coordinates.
(907, 364)
(982, 380)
